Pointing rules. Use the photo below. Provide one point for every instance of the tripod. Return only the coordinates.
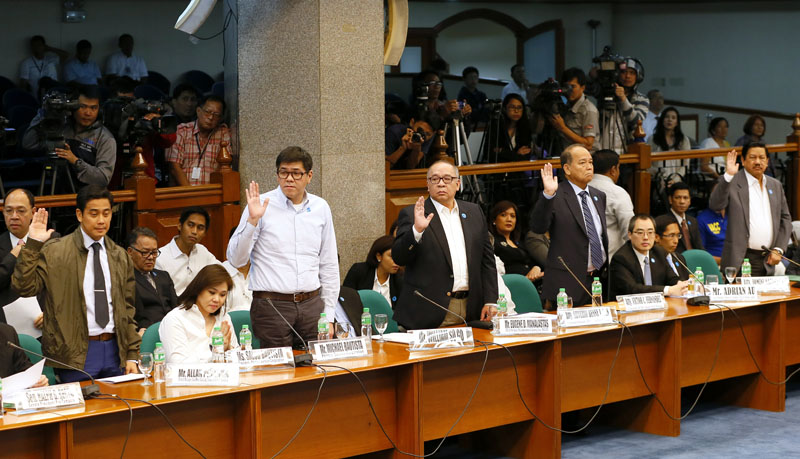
(459, 138)
(612, 124)
(53, 167)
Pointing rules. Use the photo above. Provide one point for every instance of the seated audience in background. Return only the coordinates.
(507, 246)
(754, 129)
(407, 145)
(619, 207)
(379, 272)
(476, 98)
(537, 245)
(579, 123)
(186, 331)
(155, 292)
(518, 85)
(185, 256)
(394, 110)
(640, 266)
(89, 285)
(668, 234)
(90, 148)
(437, 110)
(717, 133)
(125, 63)
(758, 215)
(43, 62)
(193, 156)
(81, 70)
(656, 105)
(240, 297)
(184, 102)
(512, 142)
(668, 136)
(13, 360)
(713, 227)
(680, 199)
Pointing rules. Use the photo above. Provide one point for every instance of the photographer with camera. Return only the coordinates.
(578, 123)
(70, 130)
(408, 144)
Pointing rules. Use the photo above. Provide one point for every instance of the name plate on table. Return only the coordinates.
(260, 357)
(641, 302)
(768, 284)
(582, 317)
(441, 338)
(509, 326)
(721, 293)
(202, 374)
(49, 397)
(340, 348)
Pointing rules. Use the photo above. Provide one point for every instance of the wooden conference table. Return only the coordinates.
(419, 397)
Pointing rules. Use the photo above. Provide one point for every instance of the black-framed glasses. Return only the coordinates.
(297, 175)
(641, 233)
(434, 83)
(148, 253)
(672, 235)
(447, 179)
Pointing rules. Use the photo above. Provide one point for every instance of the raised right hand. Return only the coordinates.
(731, 168)
(421, 222)
(255, 207)
(550, 182)
(38, 229)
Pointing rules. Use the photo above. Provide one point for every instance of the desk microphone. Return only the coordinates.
(417, 292)
(702, 300)
(88, 391)
(763, 247)
(300, 360)
(576, 277)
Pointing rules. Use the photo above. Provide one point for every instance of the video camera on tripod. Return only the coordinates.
(609, 67)
(57, 112)
(140, 125)
(549, 98)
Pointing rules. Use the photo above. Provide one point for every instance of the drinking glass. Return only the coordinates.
(712, 279)
(381, 322)
(730, 274)
(342, 330)
(146, 366)
(569, 302)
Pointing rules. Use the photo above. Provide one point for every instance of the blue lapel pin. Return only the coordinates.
(595, 198)
(394, 298)
(652, 260)
(341, 298)
(308, 209)
(770, 191)
(463, 215)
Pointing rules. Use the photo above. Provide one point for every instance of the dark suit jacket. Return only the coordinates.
(683, 273)
(11, 360)
(626, 273)
(361, 276)
(563, 218)
(151, 304)
(7, 264)
(694, 234)
(429, 268)
(735, 198)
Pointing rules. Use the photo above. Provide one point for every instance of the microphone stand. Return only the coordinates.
(702, 300)
(417, 292)
(300, 360)
(576, 278)
(88, 391)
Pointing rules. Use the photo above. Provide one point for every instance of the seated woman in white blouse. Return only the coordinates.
(186, 330)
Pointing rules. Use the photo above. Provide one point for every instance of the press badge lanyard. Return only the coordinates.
(196, 171)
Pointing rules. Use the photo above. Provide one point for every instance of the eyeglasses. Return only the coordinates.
(447, 179)
(148, 254)
(641, 233)
(434, 83)
(297, 175)
(211, 114)
(672, 236)
(515, 108)
(20, 212)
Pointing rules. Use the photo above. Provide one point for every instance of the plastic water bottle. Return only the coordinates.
(159, 361)
(597, 292)
(323, 327)
(246, 338)
(747, 270)
(562, 300)
(217, 345)
(502, 306)
(1, 399)
(699, 277)
(366, 323)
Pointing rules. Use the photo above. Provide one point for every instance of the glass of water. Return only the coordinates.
(146, 366)
(381, 322)
(712, 279)
(342, 330)
(730, 274)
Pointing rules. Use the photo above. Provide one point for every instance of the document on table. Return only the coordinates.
(122, 378)
(18, 382)
(21, 313)
(402, 338)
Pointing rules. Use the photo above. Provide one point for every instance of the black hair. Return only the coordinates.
(748, 125)
(604, 160)
(514, 67)
(393, 227)
(636, 218)
(663, 221)
(523, 134)
(659, 135)
(498, 209)
(380, 245)
(83, 44)
(677, 186)
(124, 36)
(293, 155)
(183, 87)
(468, 70)
(189, 211)
(90, 91)
(750, 145)
(213, 98)
(566, 155)
(36, 38)
(138, 232)
(209, 276)
(123, 84)
(91, 192)
(24, 191)
(573, 72)
(713, 124)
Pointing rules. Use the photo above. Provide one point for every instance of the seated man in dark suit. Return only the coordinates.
(640, 266)
(155, 293)
(13, 360)
(379, 272)
(668, 233)
(680, 198)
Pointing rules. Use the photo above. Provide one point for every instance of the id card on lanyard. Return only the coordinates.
(197, 171)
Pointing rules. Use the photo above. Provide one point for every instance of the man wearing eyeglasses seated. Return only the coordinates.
(193, 156)
(668, 233)
(155, 293)
(444, 245)
(640, 266)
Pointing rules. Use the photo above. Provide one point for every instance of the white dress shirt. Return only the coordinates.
(641, 256)
(81, 72)
(181, 267)
(513, 88)
(649, 125)
(761, 230)
(33, 69)
(671, 264)
(619, 211)
(679, 218)
(15, 240)
(183, 334)
(290, 251)
(88, 286)
(121, 65)
(451, 222)
(598, 224)
(383, 288)
(241, 297)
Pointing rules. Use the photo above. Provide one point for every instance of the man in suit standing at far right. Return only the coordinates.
(758, 215)
(155, 292)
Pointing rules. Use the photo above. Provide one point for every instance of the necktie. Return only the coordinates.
(20, 242)
(648, 278)
(100, 300)
(151, 280)
(672, 264)
(595, 246)
(687, 241)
